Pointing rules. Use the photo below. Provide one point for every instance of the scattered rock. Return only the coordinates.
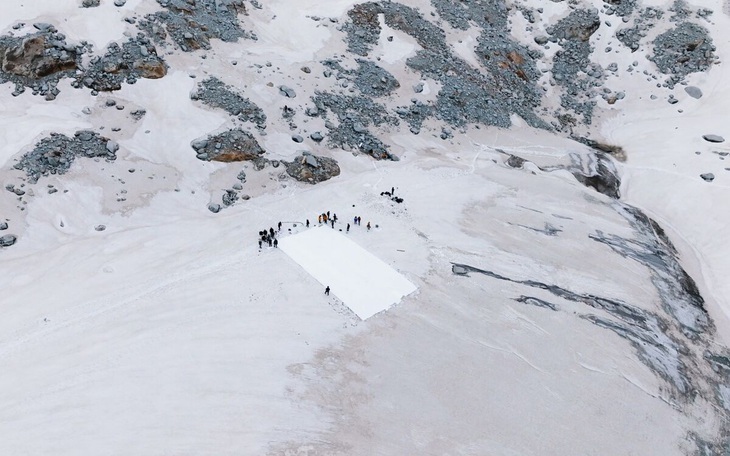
(3, 226)
(90, 3)
(287, 91)
(693, 91)
(708, 177)
(38, 61)
(135, 59)
(352, 110)
(230, 197)
(573, 34)
(138, 114)
(373, 80)
(214, 92)
(7, 240)
(112, 146)
(193, 23)
(713, 138)
(297, 138)
(506, 83)
(515, 162)
(100, 227)
(214, 208)
(684, 49)
(56, 153)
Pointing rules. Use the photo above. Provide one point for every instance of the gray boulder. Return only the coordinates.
(112, 146)
(713, 138)
(693, 91)
(708, 177)
(310, 160)
(7, 240)
(312, 169)
(287, 91)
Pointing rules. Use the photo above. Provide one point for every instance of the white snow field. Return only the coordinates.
(169, 333)
(366, 284)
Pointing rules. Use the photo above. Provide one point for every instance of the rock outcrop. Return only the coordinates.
(312, 169)
(230, 146)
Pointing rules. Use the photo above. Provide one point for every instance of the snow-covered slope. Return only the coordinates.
(569, 299)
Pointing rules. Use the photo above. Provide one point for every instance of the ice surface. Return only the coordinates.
(365, 283)
(171, 333)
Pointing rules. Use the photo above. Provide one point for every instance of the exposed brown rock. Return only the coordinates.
(229, 146)
(29, 59)
(312, 169)
(151, 69)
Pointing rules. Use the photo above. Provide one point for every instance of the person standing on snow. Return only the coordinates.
(327, 290)
(368, 226)
(307, 223)
(276, 243)
(348, 228)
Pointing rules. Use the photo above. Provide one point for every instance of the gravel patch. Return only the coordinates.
(192, 24)
(684, 49)
(135, 59)
(355, 115)
(572, 68)
(506, 83)
(373, 80)
(56, 153)
(215, 93)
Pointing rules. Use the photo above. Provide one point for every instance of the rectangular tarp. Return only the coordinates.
(364, 283)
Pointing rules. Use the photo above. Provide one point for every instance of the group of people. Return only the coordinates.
(269, 237)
